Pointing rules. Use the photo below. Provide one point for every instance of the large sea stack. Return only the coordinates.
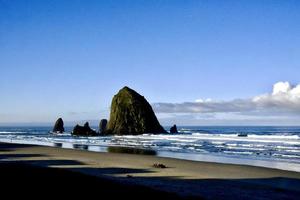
(83, 130)
(59, 126)
(131, 114)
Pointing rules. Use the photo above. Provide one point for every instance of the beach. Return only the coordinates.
(150, 99)
(180, 178)
(271, 147)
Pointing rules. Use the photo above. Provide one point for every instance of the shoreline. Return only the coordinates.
(181, 177)
(198, 157)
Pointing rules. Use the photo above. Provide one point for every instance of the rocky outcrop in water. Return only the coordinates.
(103, 126)
(59, 126)
(132, 114)
(173, 129)
(84, 130)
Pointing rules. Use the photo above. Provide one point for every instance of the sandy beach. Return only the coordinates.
(184, 179)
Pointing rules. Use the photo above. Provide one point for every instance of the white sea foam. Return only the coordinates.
(287, 156)
(239, 152)
(11, 132)
(246, 148)
(285, 137)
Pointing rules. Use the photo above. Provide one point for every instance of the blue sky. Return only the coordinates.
(68, 58)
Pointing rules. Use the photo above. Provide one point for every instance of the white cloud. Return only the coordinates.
(283, 100)
(203, 100)
(284, 97)
(281, 87)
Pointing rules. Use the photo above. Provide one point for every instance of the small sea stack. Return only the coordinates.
(84, 130)
(102, 126)
(173, 129)
(59, 126)
(131, 114)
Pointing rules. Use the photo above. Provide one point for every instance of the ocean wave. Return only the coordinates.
(239, 152)
(286, 155)
(283, 136)
(11, 132)
(290, 139)
(247, 148)
(286, 137)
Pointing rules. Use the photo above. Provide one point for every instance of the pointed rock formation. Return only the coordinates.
(131, 114)
(173, 129)
(59, 126)
(102, 125)
(83, 130)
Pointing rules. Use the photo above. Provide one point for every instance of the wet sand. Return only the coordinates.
(181, 178)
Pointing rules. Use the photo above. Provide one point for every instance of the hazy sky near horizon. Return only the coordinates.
(197, 62)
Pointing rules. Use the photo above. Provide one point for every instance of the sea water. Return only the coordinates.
(276, 147)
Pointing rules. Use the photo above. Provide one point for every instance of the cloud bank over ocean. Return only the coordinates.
(282, 103)
(281, 106)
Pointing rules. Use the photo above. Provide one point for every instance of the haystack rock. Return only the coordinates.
(102, 125)
(173, 129)
(84, 130)
(131, 114)
(59, 126)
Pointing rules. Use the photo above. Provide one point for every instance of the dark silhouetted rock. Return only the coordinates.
(102, 125)
(59, 126)
(132, 114)
(173, 129)
(84, 130)
(159, 165)
(243, 135)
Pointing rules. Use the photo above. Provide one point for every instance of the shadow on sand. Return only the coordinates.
(125, 182)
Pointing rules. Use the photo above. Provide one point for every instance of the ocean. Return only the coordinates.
(266, 146)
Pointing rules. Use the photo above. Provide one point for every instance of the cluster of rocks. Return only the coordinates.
(84, 130)
(78, 130)
(130, 114)
(159, 165)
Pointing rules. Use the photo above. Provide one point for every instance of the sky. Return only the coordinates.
(196, 62)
